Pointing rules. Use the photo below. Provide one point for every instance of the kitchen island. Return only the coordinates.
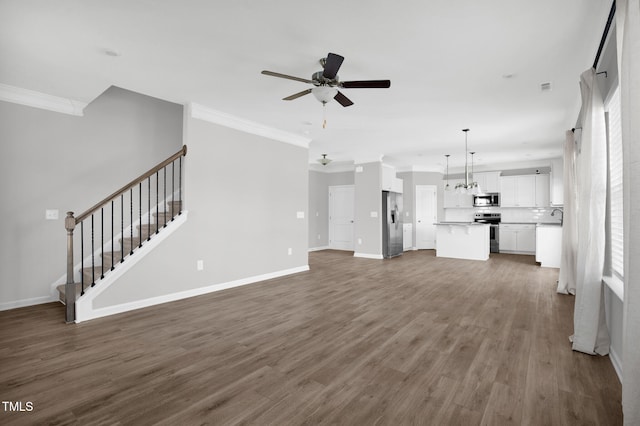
(462, 240)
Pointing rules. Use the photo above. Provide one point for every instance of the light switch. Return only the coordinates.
(374, 214)
(300, 215)
(51, 214)
(359, 169)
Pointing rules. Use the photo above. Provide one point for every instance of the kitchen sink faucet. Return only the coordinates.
(553, 212)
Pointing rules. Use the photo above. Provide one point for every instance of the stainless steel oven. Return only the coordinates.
(493, 219)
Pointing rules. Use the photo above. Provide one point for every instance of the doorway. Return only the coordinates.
(426, 216)
(341, 212)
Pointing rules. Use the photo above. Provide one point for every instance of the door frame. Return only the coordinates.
(330, 225)
(415, 214)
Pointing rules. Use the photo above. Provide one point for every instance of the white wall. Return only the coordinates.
(368, 194)
(241, 216)
(50, 160)
(319, 183)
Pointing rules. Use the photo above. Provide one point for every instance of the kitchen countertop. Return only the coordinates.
(460, 223)
(532, 223)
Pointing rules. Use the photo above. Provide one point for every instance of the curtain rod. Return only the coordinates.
(612, 13)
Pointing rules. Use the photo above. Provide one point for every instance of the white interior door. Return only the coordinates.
(341, 211)
(426, 216)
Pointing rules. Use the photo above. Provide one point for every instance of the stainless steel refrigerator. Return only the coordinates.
(391, 224)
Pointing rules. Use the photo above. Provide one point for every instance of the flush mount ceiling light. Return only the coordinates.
(324, 160)
(468, 187)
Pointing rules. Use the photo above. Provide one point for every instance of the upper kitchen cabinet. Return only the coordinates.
(542, 191)
(524, 191)
(557, 182)
(517, 191)
(389, 180)
(488, 181)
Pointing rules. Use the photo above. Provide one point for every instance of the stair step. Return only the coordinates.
(92, 275)
(177, 207)
(107, 258)
(162, 217)
(62, 289)
(129, 244)
(147, 229)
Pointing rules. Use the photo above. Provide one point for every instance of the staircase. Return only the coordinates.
(112, 230)
(109, 260)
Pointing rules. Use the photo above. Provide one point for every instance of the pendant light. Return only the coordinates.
(447, 187)
(474, 186)
(467, 187)
(462, 187)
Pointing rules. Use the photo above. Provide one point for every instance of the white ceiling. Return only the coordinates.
(446, 59)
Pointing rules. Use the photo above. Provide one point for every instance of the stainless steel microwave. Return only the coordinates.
(486, 200)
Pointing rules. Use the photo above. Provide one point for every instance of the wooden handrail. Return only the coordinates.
(134, 182)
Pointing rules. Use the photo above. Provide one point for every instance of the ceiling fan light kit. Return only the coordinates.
(326, 82)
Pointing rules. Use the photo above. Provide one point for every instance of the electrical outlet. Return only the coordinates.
(374, 214)
(300, 215)
(200, 265)
(290, 251)
(359, 241)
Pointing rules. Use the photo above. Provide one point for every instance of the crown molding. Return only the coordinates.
(18, 95)
(334, 167)
(204, 113)
(375, 158)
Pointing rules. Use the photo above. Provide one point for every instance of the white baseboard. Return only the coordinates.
(88, 314)
(26, 302)
(319, 248)
(615, 361)
(368, 256)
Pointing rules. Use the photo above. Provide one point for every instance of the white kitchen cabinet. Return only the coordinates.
(548, 245)
(389, 180)
(556, 197)
(488, 181)
(518, 191)
(517, 238)
(542, 191)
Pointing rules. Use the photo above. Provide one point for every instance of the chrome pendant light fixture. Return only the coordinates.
(447, 187)
(468, 187)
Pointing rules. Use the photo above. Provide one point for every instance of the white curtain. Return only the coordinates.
(568, 265)
(589, 323)
(628, 37)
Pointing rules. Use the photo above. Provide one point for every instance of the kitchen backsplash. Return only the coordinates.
(509, 214)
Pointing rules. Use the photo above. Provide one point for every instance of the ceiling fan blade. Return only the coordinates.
(366, 84)
(289, 77)
(297, 95)
(342, 99)
(332, 65)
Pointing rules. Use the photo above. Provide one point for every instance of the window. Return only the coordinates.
(616, 231)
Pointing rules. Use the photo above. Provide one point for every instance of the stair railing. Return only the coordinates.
(131, 195)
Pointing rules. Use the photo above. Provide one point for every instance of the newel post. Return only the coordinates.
(70, 287)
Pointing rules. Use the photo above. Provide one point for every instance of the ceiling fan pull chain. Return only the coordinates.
(324, 115)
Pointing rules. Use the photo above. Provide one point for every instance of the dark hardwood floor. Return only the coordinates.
(412, 340)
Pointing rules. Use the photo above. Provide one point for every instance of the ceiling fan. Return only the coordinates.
(326, 82)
